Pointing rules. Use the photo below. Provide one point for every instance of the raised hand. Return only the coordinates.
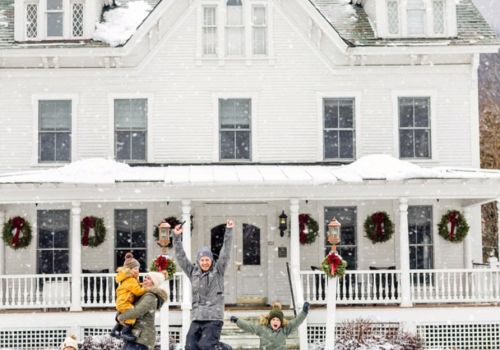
(230, 224)
(178, 229)
(234, 319)
(305, 307)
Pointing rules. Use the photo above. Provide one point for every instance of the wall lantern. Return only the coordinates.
(191, 222)
(163, 237)
(282, 225)
(333, 235)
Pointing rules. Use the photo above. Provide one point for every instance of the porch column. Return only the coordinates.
(186, 284)
(2, 244)
(467, 241)
(164, 320)
(76, 257)
(404, 253)
(295, 267)
(498, 228)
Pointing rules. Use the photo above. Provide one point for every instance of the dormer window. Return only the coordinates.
(54, 18)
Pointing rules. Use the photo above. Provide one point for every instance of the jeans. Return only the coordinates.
(205, 335)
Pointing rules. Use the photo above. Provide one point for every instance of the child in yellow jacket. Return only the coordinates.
(129, 288)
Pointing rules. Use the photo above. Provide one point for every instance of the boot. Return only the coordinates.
(115, 332)
(127, 333)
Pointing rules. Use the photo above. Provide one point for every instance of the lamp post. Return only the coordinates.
(333, 236)
(163, 236)
(283, 226)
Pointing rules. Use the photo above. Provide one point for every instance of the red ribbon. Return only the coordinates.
(453, 217)
(379, 219)
(161, 263)
(303, 220)
(334, 260)
(88, 222)
(18, 224)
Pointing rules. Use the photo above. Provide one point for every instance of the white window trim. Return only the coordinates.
(248, 56)
(84, 29)
(111, 103)
(432, 95)
(253, 96)
(357, 96)
(74, 117)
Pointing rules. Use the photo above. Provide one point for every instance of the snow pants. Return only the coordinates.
(205, 335)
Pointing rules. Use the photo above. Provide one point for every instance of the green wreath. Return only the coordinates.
(459, 227)
(164, 263)
(309, 237)
(378, 227)
(334, 258)
(172, 221)
(25, 237)
(92, 222)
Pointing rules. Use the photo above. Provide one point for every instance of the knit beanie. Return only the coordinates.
(276, 312)
(158, 278)
(204, 251)
(71, 342)
(130, 262)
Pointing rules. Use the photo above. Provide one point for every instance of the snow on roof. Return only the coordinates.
(373, 167)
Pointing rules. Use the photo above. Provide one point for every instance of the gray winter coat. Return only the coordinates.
(207, 287)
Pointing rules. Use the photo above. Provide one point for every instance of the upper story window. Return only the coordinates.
(259, 30)
(54, 131)
(235, 28)
(338, 128)
(414, 127)
(131, 129)
(416, 18)
(235, 129)
(209, 30)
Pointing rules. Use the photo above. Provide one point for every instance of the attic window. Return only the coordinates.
(55, 16)
(416, 18)
(415, 14)
(31, 20)
(77, 20)
(393, 17)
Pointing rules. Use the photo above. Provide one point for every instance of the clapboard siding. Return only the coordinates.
(287, 112)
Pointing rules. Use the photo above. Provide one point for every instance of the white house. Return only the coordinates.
(244, 110)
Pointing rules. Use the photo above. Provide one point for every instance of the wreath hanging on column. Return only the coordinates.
(378, 227)
(16, 240)
(333, 265)
(309, 229)
(458, 226)
(92, 222)
(172, 221)
(164, 263)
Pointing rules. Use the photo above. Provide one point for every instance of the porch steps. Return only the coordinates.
(241, 340)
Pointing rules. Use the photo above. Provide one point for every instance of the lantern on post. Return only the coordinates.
(333, 235)
(164, 236)
(282, 225)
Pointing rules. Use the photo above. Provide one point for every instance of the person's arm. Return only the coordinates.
(143, 306)
(136, 289)
(295, 323)
(180, 255)
(225, 252)
(249, 327)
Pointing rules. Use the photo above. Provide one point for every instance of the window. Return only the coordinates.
(415, 16)
(259, 30)
(338, 128)
(347, 247)
(414, 127)
(130, 233)
(55, 18)
(251, 245)
(393, 17)
(420, 237)
(54, 131)
(235, 29)
(53, 241)
(210, 30)
(31, 20)
(130, 129)
(235, 129)
(77, 20)
(438, 12)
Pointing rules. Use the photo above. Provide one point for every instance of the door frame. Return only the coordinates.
(240, 209)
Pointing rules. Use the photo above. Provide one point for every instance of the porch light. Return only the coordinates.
(163, 237)
(282, 225)
(191, 222)
(333, 235)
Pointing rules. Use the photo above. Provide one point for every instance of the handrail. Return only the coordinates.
(291, 288)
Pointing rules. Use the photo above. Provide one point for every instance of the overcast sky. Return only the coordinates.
(491, 12)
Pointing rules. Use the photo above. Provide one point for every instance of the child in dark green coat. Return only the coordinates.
(273, 328)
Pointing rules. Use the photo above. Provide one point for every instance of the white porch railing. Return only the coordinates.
(35, 291)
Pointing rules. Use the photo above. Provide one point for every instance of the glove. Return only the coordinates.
(234, 319)
(305, 307)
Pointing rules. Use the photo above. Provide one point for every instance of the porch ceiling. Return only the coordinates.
(371, 177)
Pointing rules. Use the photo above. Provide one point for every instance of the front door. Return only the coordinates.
(246, 275)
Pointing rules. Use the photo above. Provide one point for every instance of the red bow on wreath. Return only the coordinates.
(334, 260)
(303, 221)
(18, 224)
(161, 263)
(88, 222)
(379, 219)
(453, 217)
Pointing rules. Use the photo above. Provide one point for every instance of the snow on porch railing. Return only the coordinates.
(449, 286)
(357, 287)
(35, 291)
(99, 289)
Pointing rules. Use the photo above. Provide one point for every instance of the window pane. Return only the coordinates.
(227, 142)
(422, 144)
(331, 110)
(235, 113)
(217, 240)
(251, 245)
(138, 113)
(139, 145)
(346, 142)
(130, 114)
(209, 41)
(55, 115)
(61, 261)
(346, 113)
(54, 5)
(63, 147)
(259, 16)
(53, 232)
(393, 17)
(234, 15)
(45, 261)
(420, 237)
(122, 114)
(47, 147)
(77, 24)
(54, 24)
(209, 16)
(416, 22)
(242, 145)
(260, 41)
(235, 41)
(406, 143)
(61, 239)
(405, 112)
(422, 112)
(31, 20)
(438, 9)
(123, 145)
(331, 144)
